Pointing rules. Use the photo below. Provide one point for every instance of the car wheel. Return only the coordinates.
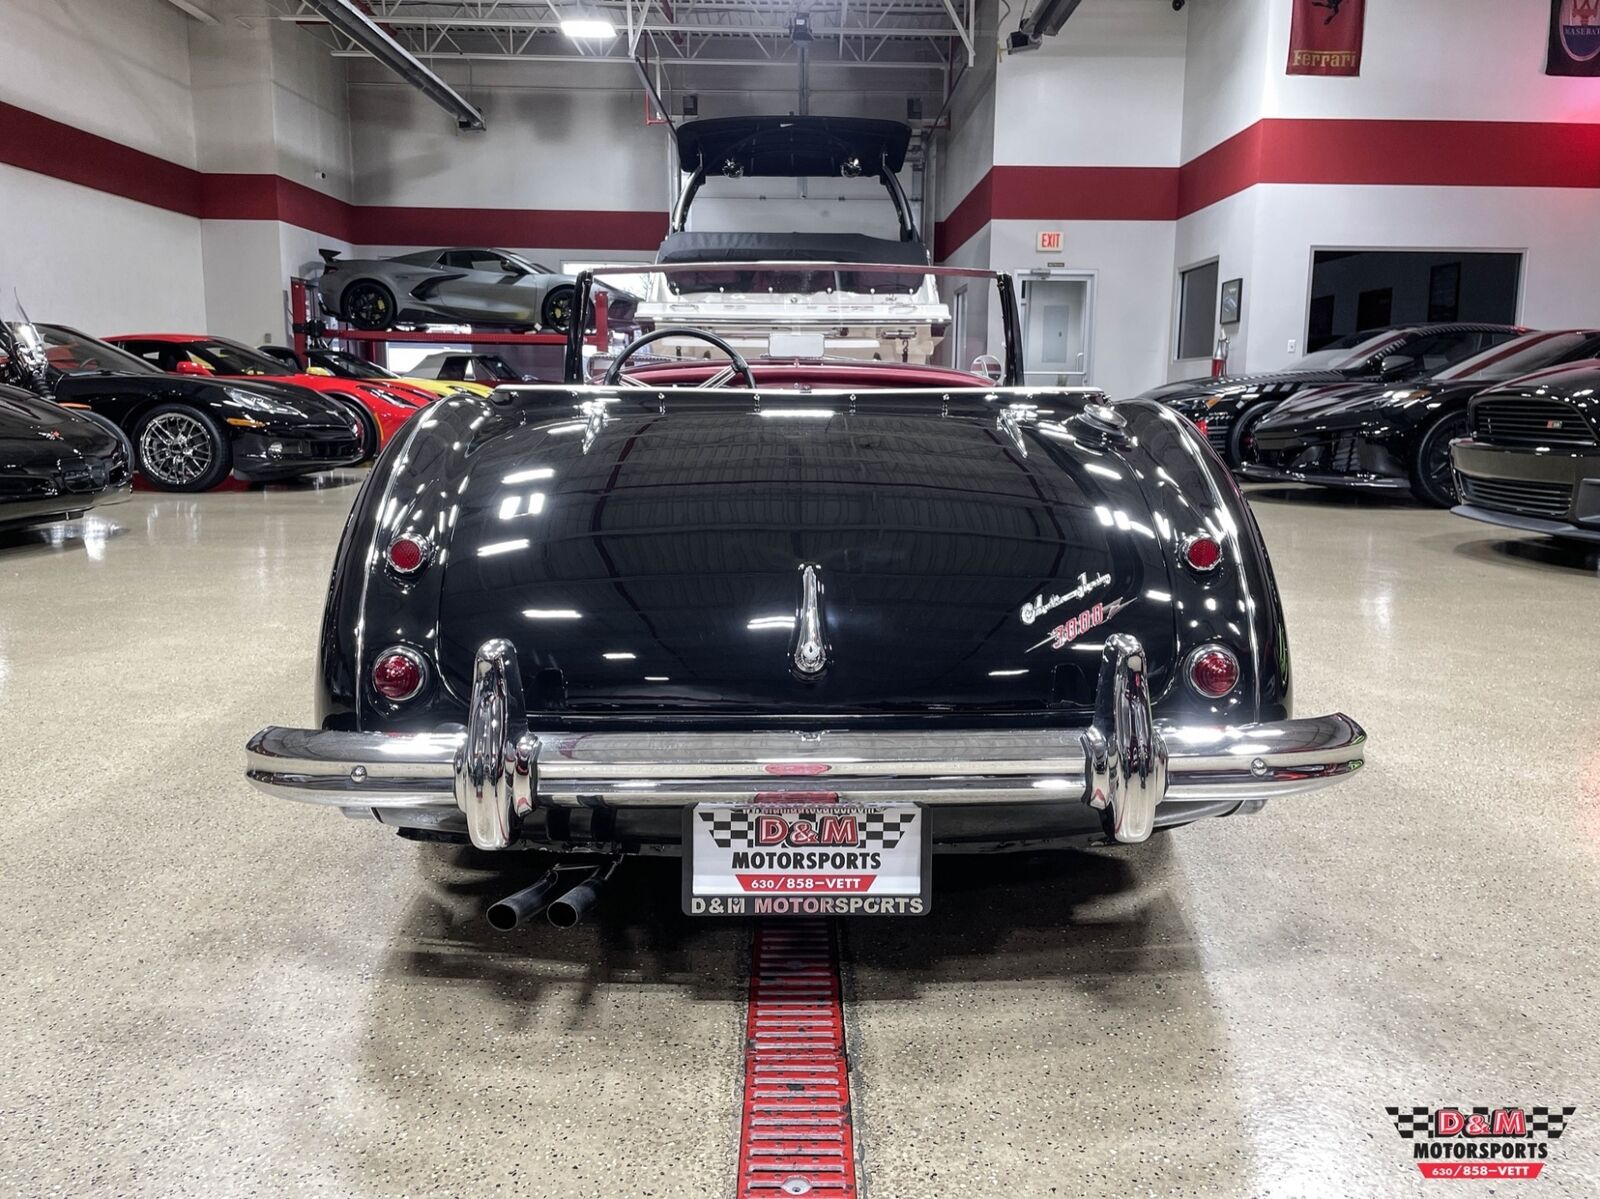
(1242, 437)
(556, 311)
(182, 449)
(1432, 479)
(369, 305)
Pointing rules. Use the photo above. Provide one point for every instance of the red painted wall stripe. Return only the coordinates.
(49, 147)
(796, 1127)
(37, 143)
(1329, 152)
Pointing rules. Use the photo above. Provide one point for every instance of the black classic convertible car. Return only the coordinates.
(1397, 438)
(1228, 409)
(803, 614)
(1532, 460)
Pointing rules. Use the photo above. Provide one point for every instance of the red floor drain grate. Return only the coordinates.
(796, 1138)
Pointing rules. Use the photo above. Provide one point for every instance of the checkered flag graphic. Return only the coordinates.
(1550, 1121)
(1410, 1122)
(730, 827)
(880, 828)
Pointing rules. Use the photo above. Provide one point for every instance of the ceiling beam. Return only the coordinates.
(376, 42)
(196, 10)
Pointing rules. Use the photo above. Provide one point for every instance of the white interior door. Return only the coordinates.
(1057, 312)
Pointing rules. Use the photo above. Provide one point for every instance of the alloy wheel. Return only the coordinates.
(368, 307)
(175, 448)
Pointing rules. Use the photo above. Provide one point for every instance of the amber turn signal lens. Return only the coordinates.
(1202, 553)
(398, 674)
(1213, 671)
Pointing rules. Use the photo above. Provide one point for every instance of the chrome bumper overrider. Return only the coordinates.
(1123, 765)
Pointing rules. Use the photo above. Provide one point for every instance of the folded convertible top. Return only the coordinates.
(792, 146)
(790, 247)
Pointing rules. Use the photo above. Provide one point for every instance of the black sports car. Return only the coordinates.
(1228, 408)
(801, 621)
(190, 432)
(55, 463)
(1532, 460)
(1394, 438)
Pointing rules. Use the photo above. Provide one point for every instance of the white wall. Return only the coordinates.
(579, 147)
(94, 260)
(120, 71)
(1459, 60)
(1553, 226)
(1107, 91)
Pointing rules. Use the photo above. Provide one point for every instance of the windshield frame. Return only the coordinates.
(66, 333)
(1507, 350)
(583, 306)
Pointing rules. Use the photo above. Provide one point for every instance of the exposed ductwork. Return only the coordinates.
(1044, 21)
(376, 41)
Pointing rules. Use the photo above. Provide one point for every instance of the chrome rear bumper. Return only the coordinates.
(1123, 764)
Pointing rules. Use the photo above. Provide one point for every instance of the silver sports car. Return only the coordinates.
(459, 285)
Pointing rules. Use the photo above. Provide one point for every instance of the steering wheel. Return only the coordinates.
(737, 366)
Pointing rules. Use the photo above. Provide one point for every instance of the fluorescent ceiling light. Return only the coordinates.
(580, 28)
(618, 656)
(552, 614)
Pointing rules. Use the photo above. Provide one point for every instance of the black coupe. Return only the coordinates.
(1397, 438)
(802, 620)
(56, 464)
(1532, 460)
(1227, 409)
(189, 432)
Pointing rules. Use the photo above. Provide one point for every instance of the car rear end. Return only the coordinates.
(990, 613)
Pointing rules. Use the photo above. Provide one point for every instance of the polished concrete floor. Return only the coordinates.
(206, 995)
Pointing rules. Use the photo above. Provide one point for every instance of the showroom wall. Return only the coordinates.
(569, 168)
(1081, 137)
(1142, 134)
(1468, 170)
(76, 251)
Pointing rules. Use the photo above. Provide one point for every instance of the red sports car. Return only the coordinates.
(383, 408)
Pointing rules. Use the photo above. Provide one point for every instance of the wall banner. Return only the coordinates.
(1325, 38)
(1574, 38)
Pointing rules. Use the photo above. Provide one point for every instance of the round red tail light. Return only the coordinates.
(409, 553)
(1213, 671)
(399, 673)
(1202, 553)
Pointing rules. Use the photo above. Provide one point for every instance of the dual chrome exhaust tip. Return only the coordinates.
(564, 909)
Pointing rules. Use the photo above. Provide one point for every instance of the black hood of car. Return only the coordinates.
(1267, 384)
(1358, 405)
(35, 433)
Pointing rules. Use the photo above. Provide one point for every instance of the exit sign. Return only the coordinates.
(1049, 242)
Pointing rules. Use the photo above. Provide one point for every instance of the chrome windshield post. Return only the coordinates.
(496, 767)
(1125, 757)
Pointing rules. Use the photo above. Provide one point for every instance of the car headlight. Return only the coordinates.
(251, 402)
(394, 397)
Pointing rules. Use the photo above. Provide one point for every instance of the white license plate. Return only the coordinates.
(806, 859)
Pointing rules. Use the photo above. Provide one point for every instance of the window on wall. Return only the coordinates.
(1356, 290)
(1197, 311)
